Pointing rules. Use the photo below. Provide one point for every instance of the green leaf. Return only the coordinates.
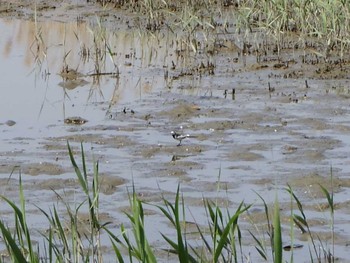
(16, 251)
(82, 180)
(232, 223)
(329, 198)
(277, 241)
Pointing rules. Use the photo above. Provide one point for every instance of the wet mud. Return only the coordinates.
(254, 127)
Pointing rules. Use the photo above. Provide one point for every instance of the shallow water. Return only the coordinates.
(258, 142)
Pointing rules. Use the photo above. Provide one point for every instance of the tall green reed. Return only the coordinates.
(68, 239)
(19, 245)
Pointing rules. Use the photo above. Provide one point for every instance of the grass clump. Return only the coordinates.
(19, 245)
(328, 21)
(322, 25)
(221, 240)
(137, 246)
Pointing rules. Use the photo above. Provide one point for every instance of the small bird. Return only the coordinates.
(179, 136)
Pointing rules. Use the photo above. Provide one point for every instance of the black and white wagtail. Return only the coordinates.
(179, 136)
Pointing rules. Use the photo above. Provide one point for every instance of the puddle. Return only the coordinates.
(60, 79)
(256, 140)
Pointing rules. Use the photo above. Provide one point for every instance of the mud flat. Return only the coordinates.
(255, 125)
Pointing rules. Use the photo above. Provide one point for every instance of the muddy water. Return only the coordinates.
(125, 84)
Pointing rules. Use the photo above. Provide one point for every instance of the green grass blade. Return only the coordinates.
(117, 251)
(128, 243)
(239, 236)
(21, 225)
(329, 198)
(261, 252)
(83, 161)
(182, 253)
(277, 241)
(260, 248)
(174, 245)
(266, 211)
(300, 206)
(61, 232)
(32, 254)
(16, 252)
(17, 211)
(232, 223)
(172, 212)
(206, 243)
(176, 249)
(299, 221)
(166, 213)
(82, 180)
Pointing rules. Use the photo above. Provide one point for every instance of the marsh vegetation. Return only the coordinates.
(262, 86)
(76, 234)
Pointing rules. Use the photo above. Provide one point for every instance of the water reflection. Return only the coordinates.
(59, 68)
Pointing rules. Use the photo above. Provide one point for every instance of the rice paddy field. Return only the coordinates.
(91, 91)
